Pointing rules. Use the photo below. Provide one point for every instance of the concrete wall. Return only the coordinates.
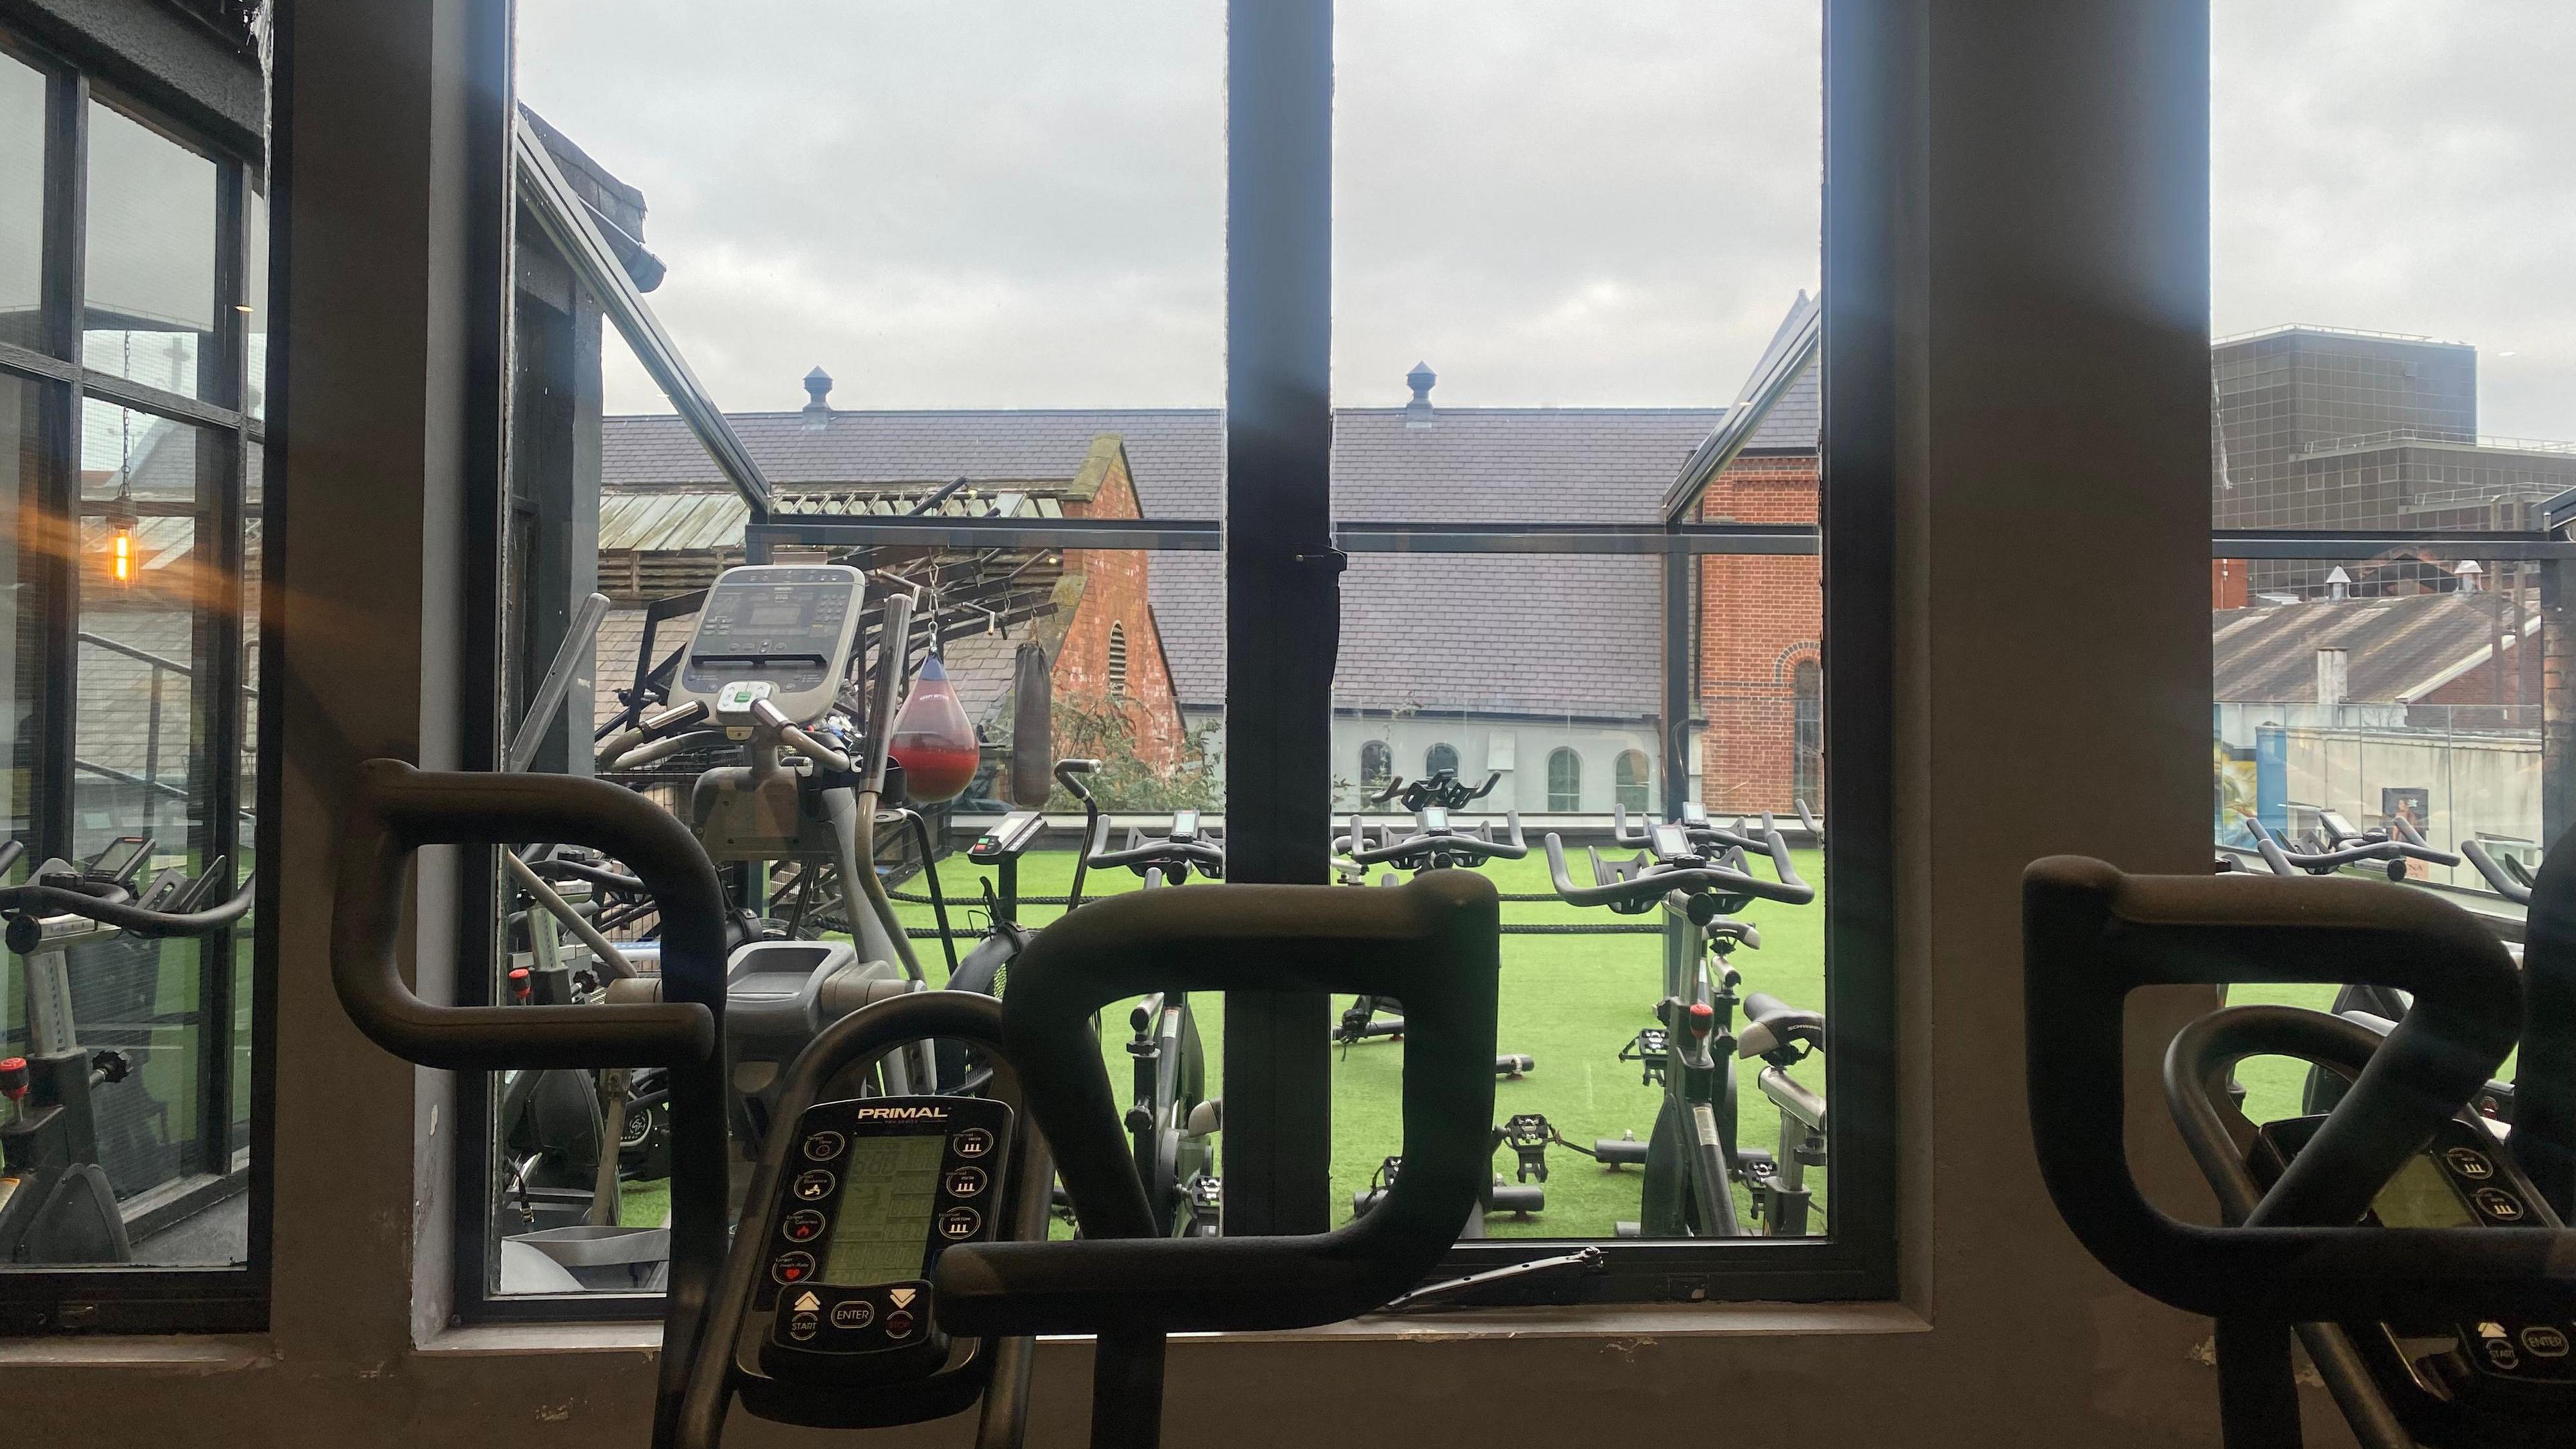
(2037, 174)
(1484, 744)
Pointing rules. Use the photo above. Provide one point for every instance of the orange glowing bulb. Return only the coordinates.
(124, 563)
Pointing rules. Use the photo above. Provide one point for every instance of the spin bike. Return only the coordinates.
(891, 1266)
(2388, 847)
(2448, 1333)
(1171, 1120)
(56, 1206)
(1699, 873)
(1435, 844)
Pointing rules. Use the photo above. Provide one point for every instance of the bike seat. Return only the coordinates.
(1771, 1024)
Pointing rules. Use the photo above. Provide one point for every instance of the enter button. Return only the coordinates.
(2542, 1341)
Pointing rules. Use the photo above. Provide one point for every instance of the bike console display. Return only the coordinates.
(2469, 1367)
(787, 627)
(872, 1192)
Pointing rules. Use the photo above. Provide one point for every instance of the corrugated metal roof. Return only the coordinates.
(2269, 654)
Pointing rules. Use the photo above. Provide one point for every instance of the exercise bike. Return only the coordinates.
(1434, 844)
(891, 1265)
(1699, 873)
(2390, 848)
(56, 1205)
(2444, 1333)
(1170, 1118)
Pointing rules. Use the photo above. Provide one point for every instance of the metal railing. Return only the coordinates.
(2453, 437)
(154, 787)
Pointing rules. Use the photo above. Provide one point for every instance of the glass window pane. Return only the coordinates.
(1547, 310)
(151, 601)
(22, 202)
(1059, 363)
(2395, 353)
(150, 305)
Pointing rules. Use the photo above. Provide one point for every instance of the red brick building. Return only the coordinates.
(1758, 696)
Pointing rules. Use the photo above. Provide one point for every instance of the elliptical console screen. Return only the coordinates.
(789, 627)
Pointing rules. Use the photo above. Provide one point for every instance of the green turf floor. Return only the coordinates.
(1571, 1002)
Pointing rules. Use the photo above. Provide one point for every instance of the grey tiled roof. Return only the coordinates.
(1456, 632)
(1548, 634)
(2392, 645)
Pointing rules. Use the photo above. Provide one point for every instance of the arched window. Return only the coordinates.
(1439, 758)
(1807, 768)
(1633, 778)
(1564, 780)
(1377, 765)
(1118, 661)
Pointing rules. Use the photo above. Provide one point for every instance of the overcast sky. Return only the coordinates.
(1017, 203)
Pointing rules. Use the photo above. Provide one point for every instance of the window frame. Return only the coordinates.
(1284, 552)
(216, 1298)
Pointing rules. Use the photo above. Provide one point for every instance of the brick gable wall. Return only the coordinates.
(1759, 617)
(1114, 591)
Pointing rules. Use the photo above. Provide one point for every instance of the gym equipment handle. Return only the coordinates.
(2092, 934)
(1434, 944)
(400, 809)
(113, 906)
(1655, 881)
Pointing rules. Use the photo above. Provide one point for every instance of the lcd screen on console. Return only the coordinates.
(883, 1218)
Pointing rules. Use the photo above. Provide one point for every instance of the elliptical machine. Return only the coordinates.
(56, 1206)
(892, 1262)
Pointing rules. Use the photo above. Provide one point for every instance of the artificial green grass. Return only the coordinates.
(1570, 1001)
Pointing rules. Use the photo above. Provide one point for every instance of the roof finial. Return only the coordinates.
(1417, 413)
(818, 391)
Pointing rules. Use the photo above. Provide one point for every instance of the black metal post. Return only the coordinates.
(55, 600)
(1282, 582)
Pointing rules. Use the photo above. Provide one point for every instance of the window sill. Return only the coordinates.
(206, 1354)
(1617, 1321)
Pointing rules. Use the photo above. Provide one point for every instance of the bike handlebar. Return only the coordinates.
(1069, 773)
(2285, 861)
(1478, 846)
(113, 905)
(1206, 854)
(2501, 874)
(1652, 881)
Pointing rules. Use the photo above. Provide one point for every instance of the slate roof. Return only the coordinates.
(2394, 646)
(1426, 631)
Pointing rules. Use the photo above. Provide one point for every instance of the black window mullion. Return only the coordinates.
(58, 467)
(220, 544)
(1282, 592)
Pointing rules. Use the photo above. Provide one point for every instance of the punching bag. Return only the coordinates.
(933, 740)
(1032, 727)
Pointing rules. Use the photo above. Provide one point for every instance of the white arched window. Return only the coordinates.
(1631, 778)
(1439, 758)
(1564, 779)
(1377, 765)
